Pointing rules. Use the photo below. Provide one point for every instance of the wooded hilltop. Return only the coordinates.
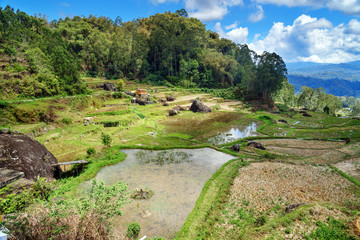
(39, 58)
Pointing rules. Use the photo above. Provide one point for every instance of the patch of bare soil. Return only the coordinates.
(321, 152)
(299, 144)
(350, 167)
(262, 191)
(263, 184)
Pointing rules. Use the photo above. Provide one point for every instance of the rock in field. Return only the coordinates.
(235, 148)
(172, 112)
(24, 154)
(256, 145)
(198, 106)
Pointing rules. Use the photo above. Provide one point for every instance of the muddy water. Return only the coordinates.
(235, 133)
(175, 176)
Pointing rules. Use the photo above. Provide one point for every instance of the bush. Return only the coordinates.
(67, 120)
(133, 230)
(117, 95)
(120, 85)
(72, 218)
(106, 139)
(155, 79)
(90, 151)
(3, 104)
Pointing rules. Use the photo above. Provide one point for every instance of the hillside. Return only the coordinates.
(343, 71)
(336, 86)
(49, 58)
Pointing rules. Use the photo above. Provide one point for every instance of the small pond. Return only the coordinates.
(235, 133)
(176, 178)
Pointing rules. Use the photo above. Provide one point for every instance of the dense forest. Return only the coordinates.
(46, 58)
(39, 58)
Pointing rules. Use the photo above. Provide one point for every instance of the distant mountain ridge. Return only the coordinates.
(337, 79)
(345, 71)
(337, 87)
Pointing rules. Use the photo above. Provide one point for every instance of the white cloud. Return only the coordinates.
(231, 26)
(258, 16)
(354, 27)
(351, 7)
(238, 34)
(312, 39)
(207, 10)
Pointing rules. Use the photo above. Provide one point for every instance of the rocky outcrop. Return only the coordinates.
(172, 112)
(235, 148)
(198, 106)
(256, 145)
(283, 121)
(24, 154)
(109, 87)
(170, 98)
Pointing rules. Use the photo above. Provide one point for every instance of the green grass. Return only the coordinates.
(110, 156)
(213, 195)
(110, 113)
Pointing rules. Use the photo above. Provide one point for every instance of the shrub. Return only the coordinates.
(3, 104)
(71, 218)
(106, 139)
(67, 120)
(155, 79)
(133, 230)
(120, 85)
(90, 151)
(117, 95)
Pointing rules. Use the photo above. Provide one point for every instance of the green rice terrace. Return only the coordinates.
(181, 177)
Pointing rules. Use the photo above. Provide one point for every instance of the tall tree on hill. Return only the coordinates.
(270, 73)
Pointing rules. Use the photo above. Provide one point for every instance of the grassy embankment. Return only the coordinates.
(61, 129)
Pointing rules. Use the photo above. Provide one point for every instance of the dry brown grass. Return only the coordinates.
(265, 183)
(39, 224)
(350, 167)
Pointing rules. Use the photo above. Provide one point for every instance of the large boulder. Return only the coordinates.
(235, 148)
(198, 106)
(109, 87)
(24, 154)
(170, 98)
(256, 145)
(172, 112)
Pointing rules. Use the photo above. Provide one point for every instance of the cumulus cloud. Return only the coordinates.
(207, 10)
(312, 39)
(351, 7)
(258, 16)
(231, 26)
(237, 34)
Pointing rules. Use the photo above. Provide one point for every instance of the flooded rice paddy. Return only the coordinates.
(235, 133)
(176, 178)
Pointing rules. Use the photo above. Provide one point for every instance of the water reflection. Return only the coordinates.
(235, 133)
(163, 157)
(176, 178)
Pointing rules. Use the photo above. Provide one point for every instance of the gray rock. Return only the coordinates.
(109, 87)
(256, 145)
(170, 98)
(172, 112)
(198, 106)
(24, 154)
(235, 148)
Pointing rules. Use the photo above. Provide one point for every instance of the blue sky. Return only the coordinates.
(326, 31)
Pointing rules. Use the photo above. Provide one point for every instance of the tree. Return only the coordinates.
(270, 74)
